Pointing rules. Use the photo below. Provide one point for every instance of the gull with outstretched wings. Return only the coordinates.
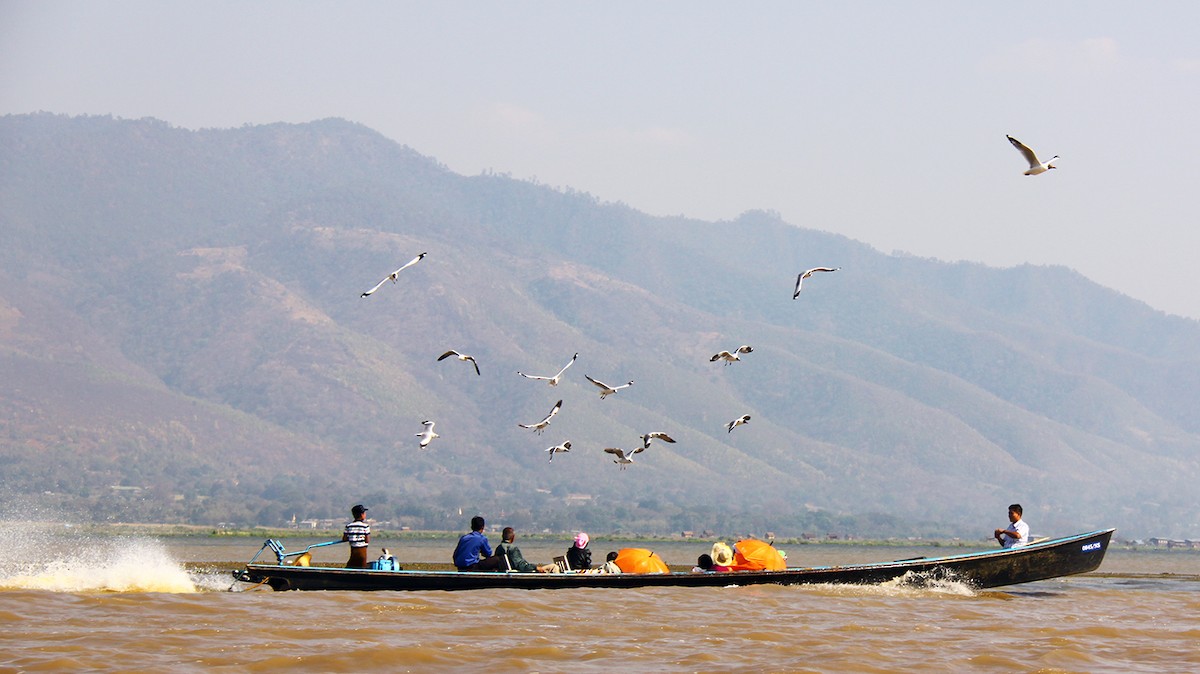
(744, 419)
(427, 435)
(559, 449)
(460, 356)
(805, 274)
(541, 425)
(623, 459)
(1035, 166)
(605, 389)
(731, 356)
(655, 435)
(392, 276)
(552, 380)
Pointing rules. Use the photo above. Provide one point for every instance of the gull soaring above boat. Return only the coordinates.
(1035, 166)
(731, 356)
(552, 380)
(623, 460)
(460, 356)
(427, 435)
(392, 276)
(605, 389)
(744, 419)
(541, 425)
(564, 447)
(805, 274)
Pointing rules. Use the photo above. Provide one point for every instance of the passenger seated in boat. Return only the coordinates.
(473, 552)
(1017, 533)
(610, 563)
(511, 559)
(579, 556)
(722, 557)
(358, 535)
(704, 564)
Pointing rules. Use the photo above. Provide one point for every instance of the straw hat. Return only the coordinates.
(722, 554)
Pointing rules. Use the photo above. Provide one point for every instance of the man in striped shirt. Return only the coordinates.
(358, 535)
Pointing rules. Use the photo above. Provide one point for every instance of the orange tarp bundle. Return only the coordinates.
(755, 555)
(640, 560)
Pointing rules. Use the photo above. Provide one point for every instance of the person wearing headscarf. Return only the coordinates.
(579, 556)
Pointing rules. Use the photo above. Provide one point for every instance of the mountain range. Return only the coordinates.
(183, 339)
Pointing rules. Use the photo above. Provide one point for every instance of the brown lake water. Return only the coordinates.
(145, 604)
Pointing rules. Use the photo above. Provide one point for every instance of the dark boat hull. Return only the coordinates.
(1040, 561)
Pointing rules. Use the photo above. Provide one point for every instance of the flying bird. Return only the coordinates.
(392, 276)
(731, 356)
(623, 460)
(806, 274)
(605, 389)
(655, 435)
(460, 356)
(553, 380)
(744, 419)
(1035, 166)
(541, 425)
(564, 447)
(427, 435)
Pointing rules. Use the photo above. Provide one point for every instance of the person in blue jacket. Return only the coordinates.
(473, 552)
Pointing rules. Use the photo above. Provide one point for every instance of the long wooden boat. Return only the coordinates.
(1041, 560)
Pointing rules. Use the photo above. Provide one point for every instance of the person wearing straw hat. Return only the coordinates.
(722, 557)
(579, 556)
(358, 535)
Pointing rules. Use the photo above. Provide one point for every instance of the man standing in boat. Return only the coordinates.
(1017, 533)
(358, 535)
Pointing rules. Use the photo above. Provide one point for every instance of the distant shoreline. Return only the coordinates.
(197, 530)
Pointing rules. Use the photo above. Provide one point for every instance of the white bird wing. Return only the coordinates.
(1026, 152)
(658, 435)
(601, 385)
(449, 353)
(745, 348)
(533, 376)
(377, 286)
(569, 364)
(620, 453)
(721, 354)
(407, 265)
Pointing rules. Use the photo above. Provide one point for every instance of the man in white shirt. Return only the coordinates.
(1017, 533)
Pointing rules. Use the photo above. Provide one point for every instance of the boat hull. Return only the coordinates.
(1040, 561)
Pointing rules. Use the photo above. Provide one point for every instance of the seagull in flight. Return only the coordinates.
(427, 435)
(1035, 166)
(731, 356)
(806, 274)
(744, 419)
(553, 380)
(655, 435)
(606, 390)
(392, 276)
(623, 460)
(541, 425)
(564, 447)
(460, 356)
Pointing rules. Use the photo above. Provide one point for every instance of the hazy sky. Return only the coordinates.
(882, 121)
